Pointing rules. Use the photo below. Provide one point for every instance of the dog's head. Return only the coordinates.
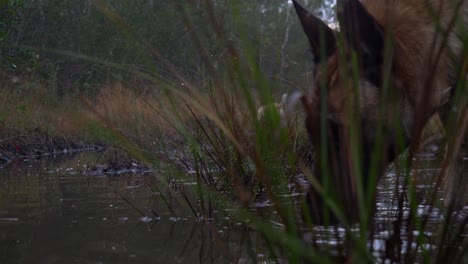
(356, 112)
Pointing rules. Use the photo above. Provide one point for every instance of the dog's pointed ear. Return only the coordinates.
(364, 34)
(321, 37)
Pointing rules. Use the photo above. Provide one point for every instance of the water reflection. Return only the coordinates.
(51, 213)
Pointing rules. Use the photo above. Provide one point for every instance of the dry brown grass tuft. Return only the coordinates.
(32, 108)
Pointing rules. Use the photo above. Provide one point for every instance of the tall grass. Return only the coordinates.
(238, 160)
(254, 168)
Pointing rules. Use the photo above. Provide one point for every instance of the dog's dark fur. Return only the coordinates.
(409, 55)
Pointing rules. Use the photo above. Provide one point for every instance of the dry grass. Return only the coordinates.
(27, 109)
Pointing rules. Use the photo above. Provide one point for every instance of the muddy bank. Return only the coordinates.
(31, 146)
(110, 161)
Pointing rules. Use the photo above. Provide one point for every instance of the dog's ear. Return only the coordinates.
(321, 37)
(363, 34)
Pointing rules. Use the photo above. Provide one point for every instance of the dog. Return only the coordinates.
(393, 65)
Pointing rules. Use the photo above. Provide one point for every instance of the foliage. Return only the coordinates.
(70, 44)
(13, 58)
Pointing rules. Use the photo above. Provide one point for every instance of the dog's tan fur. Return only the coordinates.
(415, 56)
(423, 70)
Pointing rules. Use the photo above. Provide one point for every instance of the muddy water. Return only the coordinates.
(51, 212)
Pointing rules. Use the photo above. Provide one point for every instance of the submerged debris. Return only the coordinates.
(115, 162)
